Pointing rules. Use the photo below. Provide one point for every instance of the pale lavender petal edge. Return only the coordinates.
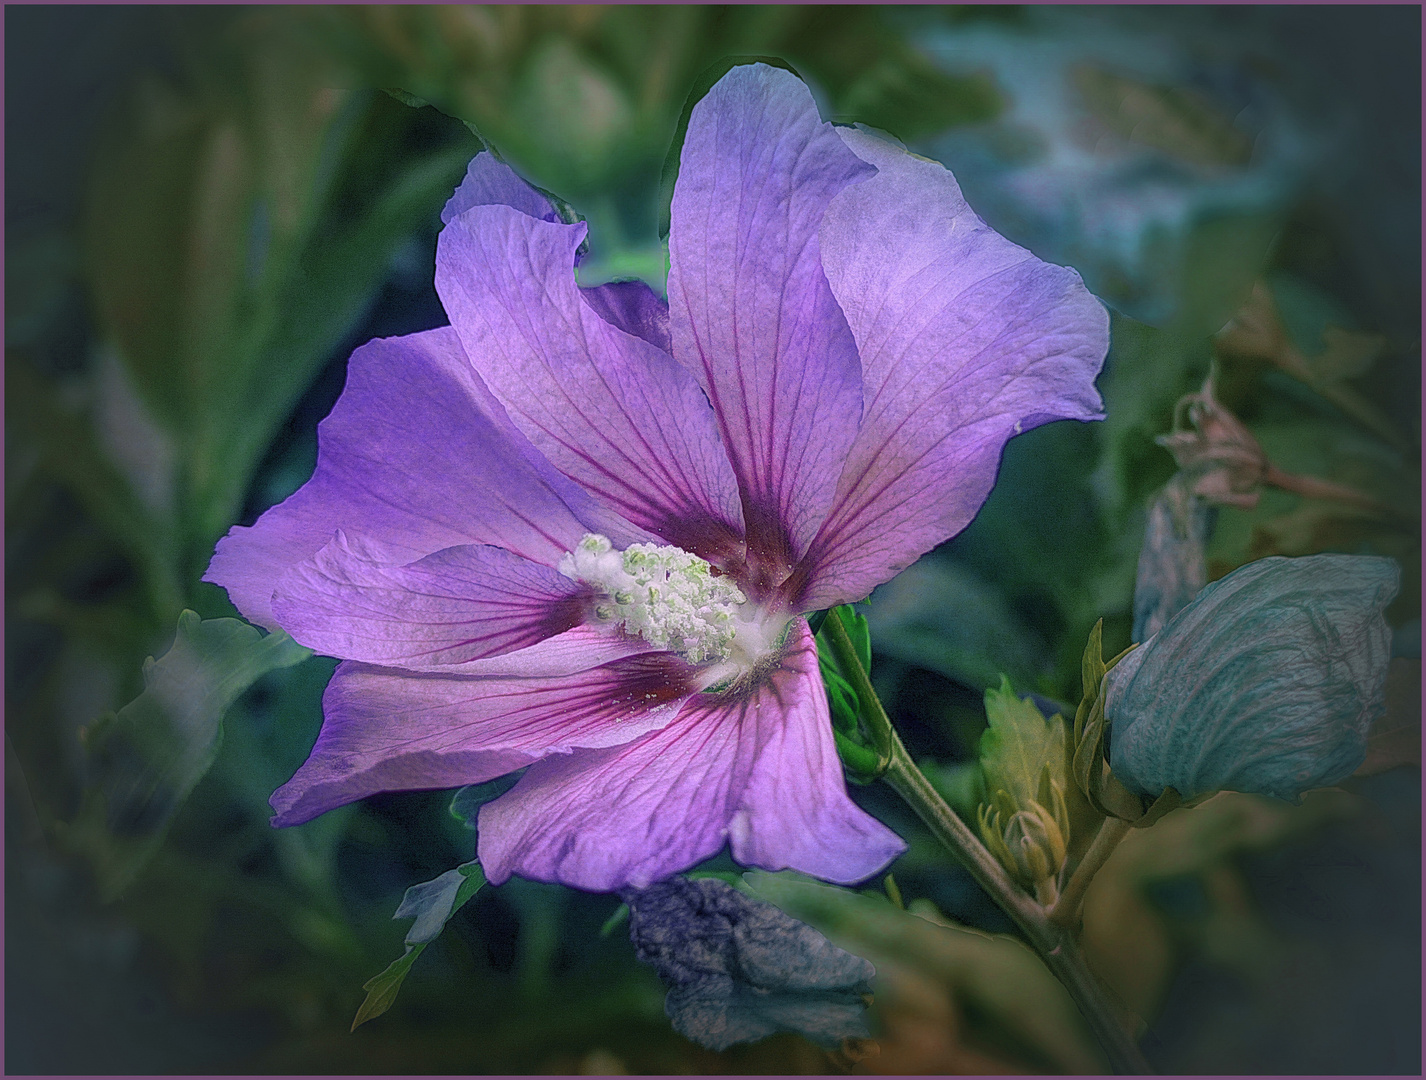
(966, 340)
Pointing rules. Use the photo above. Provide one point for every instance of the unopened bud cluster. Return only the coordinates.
(1029, 841)
(661, 593)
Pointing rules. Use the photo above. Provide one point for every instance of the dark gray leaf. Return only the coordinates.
(738, 969)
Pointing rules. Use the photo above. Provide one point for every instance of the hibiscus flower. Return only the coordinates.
(577, 529)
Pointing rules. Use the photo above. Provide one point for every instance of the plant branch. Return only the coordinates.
(1054, 942)
(1066, 911)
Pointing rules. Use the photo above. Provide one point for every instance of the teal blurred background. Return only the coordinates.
(207, 209)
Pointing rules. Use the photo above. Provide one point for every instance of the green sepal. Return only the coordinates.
(1091, 771)
(861, 763)
(850, 725)
(841, 701)
(466, 803)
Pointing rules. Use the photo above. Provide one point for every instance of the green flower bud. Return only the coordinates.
(1030, 842)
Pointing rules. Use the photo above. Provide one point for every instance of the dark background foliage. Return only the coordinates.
(208, 208)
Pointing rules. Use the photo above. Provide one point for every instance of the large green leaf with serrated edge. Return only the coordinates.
(1017, 745)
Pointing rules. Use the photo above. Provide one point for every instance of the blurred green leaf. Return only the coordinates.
(241, 227)
(146, 758)
(1174, 119)
(987, 989)
(1148, 370)
(70, 453)
(1395, 736)
(962, 784)
(431, 904)
(1135, 945)
(1284, 523)
(587, 100)
(942, 616)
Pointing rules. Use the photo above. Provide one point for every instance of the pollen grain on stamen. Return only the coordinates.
(663, 594)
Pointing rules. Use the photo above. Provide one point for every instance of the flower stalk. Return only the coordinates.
(1049, 937)
(1067, 908)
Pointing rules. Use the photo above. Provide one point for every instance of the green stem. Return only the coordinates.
(1066, 911)
(1055, 943)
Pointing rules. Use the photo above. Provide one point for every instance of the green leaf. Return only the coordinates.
(995, 989)
(1179, 122)
(240, 228)
(69, 451)
(146, 758)
(326, 290)
(1018, 745)
(1395, 737)
(942, 616)
(431, 904)
(382, 989)
(961, 784)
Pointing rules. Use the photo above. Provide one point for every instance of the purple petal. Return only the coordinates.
(634, 308)
(965, 340)
(416, 456)
(630, 305)
(749, 306)
(578, 649)
(490, 182)
(460, 604)
(610, 410)
(388, 730)
(759, 772)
